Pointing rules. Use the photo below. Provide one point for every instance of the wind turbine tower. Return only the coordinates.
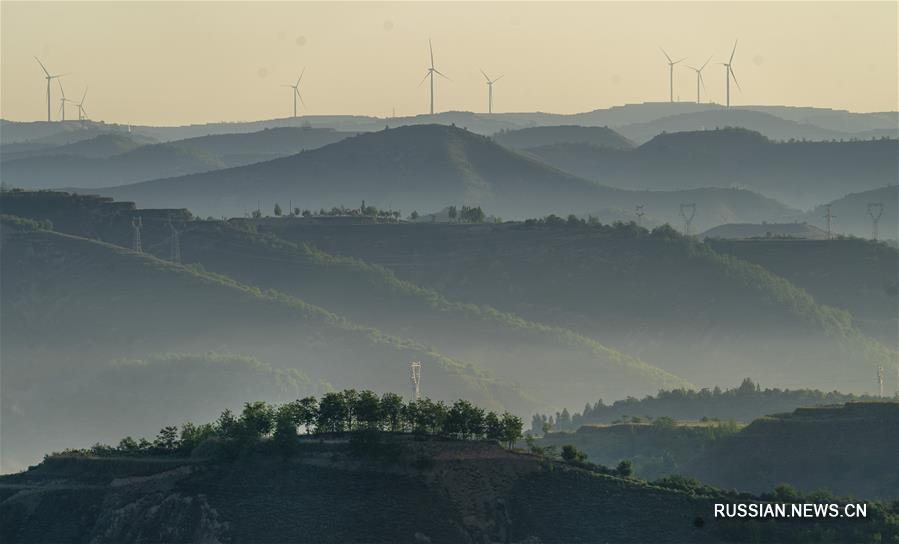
(430, 74)
(49, 77)
(296, 92)
(671, 64)
(699, 79)
(688, 217)
(729, 73)
(80, 106)
(490, 83)
(880, 379)
(136, 224)
(415, 379)
(62, 102)
(875, 210)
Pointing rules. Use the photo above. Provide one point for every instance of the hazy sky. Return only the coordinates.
(175, 63)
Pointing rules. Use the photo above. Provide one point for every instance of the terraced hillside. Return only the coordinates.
(849, 450)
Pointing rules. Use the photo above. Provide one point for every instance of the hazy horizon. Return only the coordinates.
(560, 58)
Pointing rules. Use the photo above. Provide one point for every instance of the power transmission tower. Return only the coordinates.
(174, 244)
(415, 379)
(875, 210)
(688, 218)
(828, 216)
(136, 224)
(880, 379)
(640, 213)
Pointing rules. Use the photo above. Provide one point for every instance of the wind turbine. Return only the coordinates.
(62, 101)
(699, 78)
(729, 72)
(80, 106)
(671, 64)
(296, 92)
(490, 91)
(49, 77)
(430, 74)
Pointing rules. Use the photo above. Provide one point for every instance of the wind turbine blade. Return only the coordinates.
(431, 48)
(704, 63)
(439, 73)
(692, 67)
(301, 98)
(497, 79)
(485, 77)
(681, 60)
(702, 80)
(733, 75)
(426, 77)
(299, 79)
(666, 54)
(732, 53)
(62, 92)
(42, 66)
(83, 96)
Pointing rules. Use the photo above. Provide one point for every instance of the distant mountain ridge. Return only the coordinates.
(801, 174)
(428, 167)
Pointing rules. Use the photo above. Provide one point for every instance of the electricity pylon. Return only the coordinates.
(688, 218)
(415, 379)
(136, 224)
(875, 210)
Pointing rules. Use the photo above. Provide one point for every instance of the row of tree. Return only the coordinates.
(337, 412)
(743, 403)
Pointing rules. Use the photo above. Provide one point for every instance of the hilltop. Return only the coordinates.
(525, 138)
(846, 449)
(99, 147)
(799, 173)
(438, 491)
(850, 213)
(425, 167)
(779, 231)
(849, 450)
(771, 125)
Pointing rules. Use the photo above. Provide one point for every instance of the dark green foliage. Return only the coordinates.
(363, 414)
(24, 224)
(571, 453)
(743, 403)
(625, 469)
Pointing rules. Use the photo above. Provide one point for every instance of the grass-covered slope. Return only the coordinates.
(858, 276)
(666, 299)
(511, 347)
